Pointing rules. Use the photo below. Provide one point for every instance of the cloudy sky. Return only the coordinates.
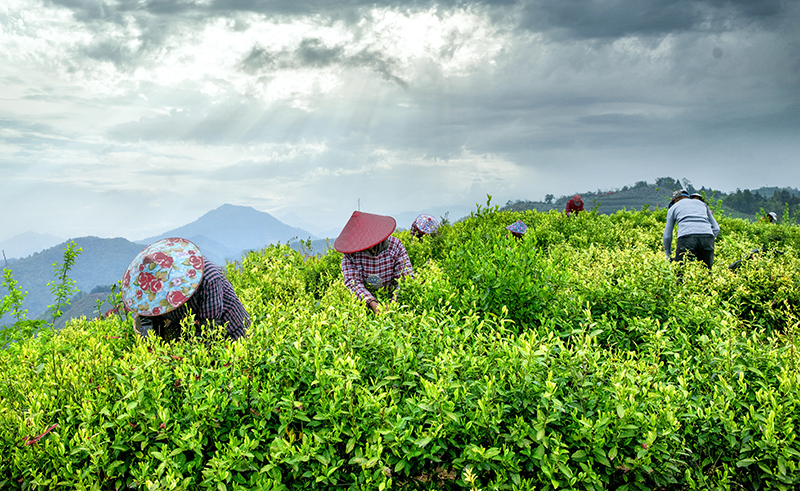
(131, 117)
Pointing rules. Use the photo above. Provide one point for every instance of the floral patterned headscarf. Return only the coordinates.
(425, 224)
(162, 277)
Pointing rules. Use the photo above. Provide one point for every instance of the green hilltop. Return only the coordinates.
(745, 204)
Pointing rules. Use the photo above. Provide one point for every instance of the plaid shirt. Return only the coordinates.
(214, 302)
(362, 271)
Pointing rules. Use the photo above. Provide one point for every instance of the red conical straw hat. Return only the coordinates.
(363, 231)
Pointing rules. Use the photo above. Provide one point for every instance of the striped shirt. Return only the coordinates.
(364, 272)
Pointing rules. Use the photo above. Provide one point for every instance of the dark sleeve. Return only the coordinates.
(150, 324)
(218, 303)
(210, 303)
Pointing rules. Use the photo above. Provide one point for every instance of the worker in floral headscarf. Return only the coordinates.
(372, 259)
(424, 225)
(171, 277)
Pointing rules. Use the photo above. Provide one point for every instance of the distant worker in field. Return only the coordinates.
(372, 259)
(170, 278)
(424, 225)
(574, 205)
(697, 229)
(770, 217)
(517, 229)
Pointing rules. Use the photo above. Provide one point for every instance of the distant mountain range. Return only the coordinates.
(227, 232)
(223, 234)
(89, 305)
(101, 262)
(27, 243)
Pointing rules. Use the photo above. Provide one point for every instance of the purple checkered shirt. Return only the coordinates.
(215, 302)
(360, 269)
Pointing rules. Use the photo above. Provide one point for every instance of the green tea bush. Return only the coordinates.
(577, 357)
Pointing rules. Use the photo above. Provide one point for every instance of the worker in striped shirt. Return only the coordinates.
(171, 278)
(372, 259)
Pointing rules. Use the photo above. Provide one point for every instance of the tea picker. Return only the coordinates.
(517, 229)
(424, 225)
(697, 229)
(372, 259)
(770, 217)
(574, 205)
(169, 279)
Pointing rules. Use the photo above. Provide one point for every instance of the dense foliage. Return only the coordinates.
(574, 358)
(781, 200)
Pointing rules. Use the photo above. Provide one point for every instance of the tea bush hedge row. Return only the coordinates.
(574, 358)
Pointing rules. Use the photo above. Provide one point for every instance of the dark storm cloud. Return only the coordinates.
(89, 10)
(614, 119)
(613, 19)
(379, 63)
(259, 59)
(577, 18)
(313, 53)
(488, 113)
(110, 51)
(86, 10)
(310, 53)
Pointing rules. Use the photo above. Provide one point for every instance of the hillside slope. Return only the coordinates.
(101, 262)
(226, 232)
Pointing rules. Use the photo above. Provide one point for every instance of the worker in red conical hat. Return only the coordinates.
(372, 259)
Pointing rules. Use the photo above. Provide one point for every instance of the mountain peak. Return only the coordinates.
(27, 243)
(228, 230)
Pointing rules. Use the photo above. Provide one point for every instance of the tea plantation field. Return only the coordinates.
(575, 358)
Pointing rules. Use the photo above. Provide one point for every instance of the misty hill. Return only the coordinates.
(607, 202)
(318, 246)
(741, 204)
(221, 234)
(27, 243)
(86, 305)
(293, 220)
(228, 231)
(102, 262)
